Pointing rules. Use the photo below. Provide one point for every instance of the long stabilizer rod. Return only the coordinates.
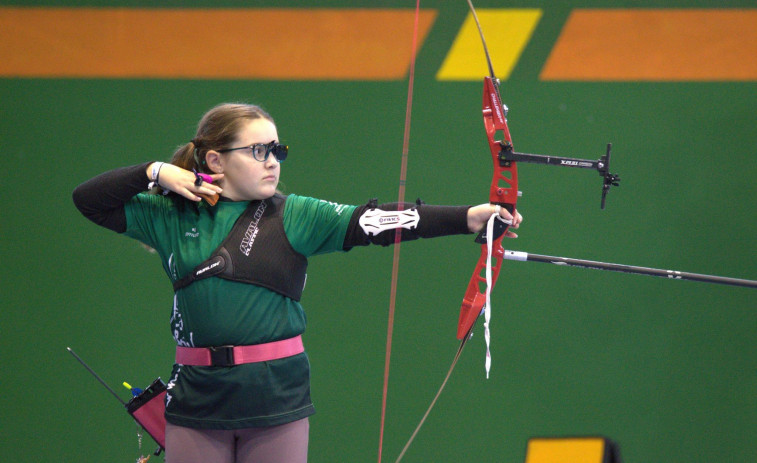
(670, 274)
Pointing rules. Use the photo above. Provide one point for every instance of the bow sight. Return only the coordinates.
(602, 165)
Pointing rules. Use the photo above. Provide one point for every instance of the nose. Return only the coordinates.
(271, 162)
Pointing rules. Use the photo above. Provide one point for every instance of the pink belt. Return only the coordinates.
(226, 356)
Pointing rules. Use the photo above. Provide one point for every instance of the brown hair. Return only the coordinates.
(217, 130)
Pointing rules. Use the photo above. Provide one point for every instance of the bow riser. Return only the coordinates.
(503, 192)
(504, 187)
(475, 298)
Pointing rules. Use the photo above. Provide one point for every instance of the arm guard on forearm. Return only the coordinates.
(416, 220)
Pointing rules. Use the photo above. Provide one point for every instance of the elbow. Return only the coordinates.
(78, 197)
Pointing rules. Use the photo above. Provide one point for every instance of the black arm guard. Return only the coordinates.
(433, 221)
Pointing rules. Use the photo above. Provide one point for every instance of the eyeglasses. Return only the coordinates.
(260, 151)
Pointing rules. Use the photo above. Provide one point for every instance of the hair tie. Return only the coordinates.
(196, 152)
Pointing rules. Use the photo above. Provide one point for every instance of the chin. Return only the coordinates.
(266, 193)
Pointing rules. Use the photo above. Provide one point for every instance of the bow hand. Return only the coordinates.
(479, 215)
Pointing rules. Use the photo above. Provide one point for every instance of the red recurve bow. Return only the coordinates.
(503, 192)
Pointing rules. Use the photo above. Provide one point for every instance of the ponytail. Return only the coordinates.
(189, 157)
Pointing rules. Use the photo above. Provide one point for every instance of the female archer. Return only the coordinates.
(236, 252)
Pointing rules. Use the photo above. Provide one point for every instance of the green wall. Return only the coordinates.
(668, 369)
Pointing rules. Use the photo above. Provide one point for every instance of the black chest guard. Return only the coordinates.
(257, 252)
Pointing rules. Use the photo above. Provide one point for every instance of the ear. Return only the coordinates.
(213, 160)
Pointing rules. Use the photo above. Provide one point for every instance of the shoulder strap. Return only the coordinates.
(257, 252)
(220, 258)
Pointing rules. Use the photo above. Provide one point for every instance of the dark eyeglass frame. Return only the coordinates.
(278, 150)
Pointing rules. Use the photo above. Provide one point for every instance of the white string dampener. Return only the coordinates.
(375, 221)
(490, 237)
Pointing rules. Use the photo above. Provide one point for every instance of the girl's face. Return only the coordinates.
(245, 178)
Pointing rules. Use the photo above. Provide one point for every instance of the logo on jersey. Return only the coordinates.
(338, 208)
(252, 230)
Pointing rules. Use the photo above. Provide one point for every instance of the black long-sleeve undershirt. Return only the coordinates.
(102, 199)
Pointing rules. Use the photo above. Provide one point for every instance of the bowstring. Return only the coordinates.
(489, 242)
(436, 397)
(398, 232)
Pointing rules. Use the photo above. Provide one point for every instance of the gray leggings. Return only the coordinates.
(287, 443)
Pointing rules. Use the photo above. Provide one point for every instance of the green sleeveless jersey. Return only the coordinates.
(216, 312)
